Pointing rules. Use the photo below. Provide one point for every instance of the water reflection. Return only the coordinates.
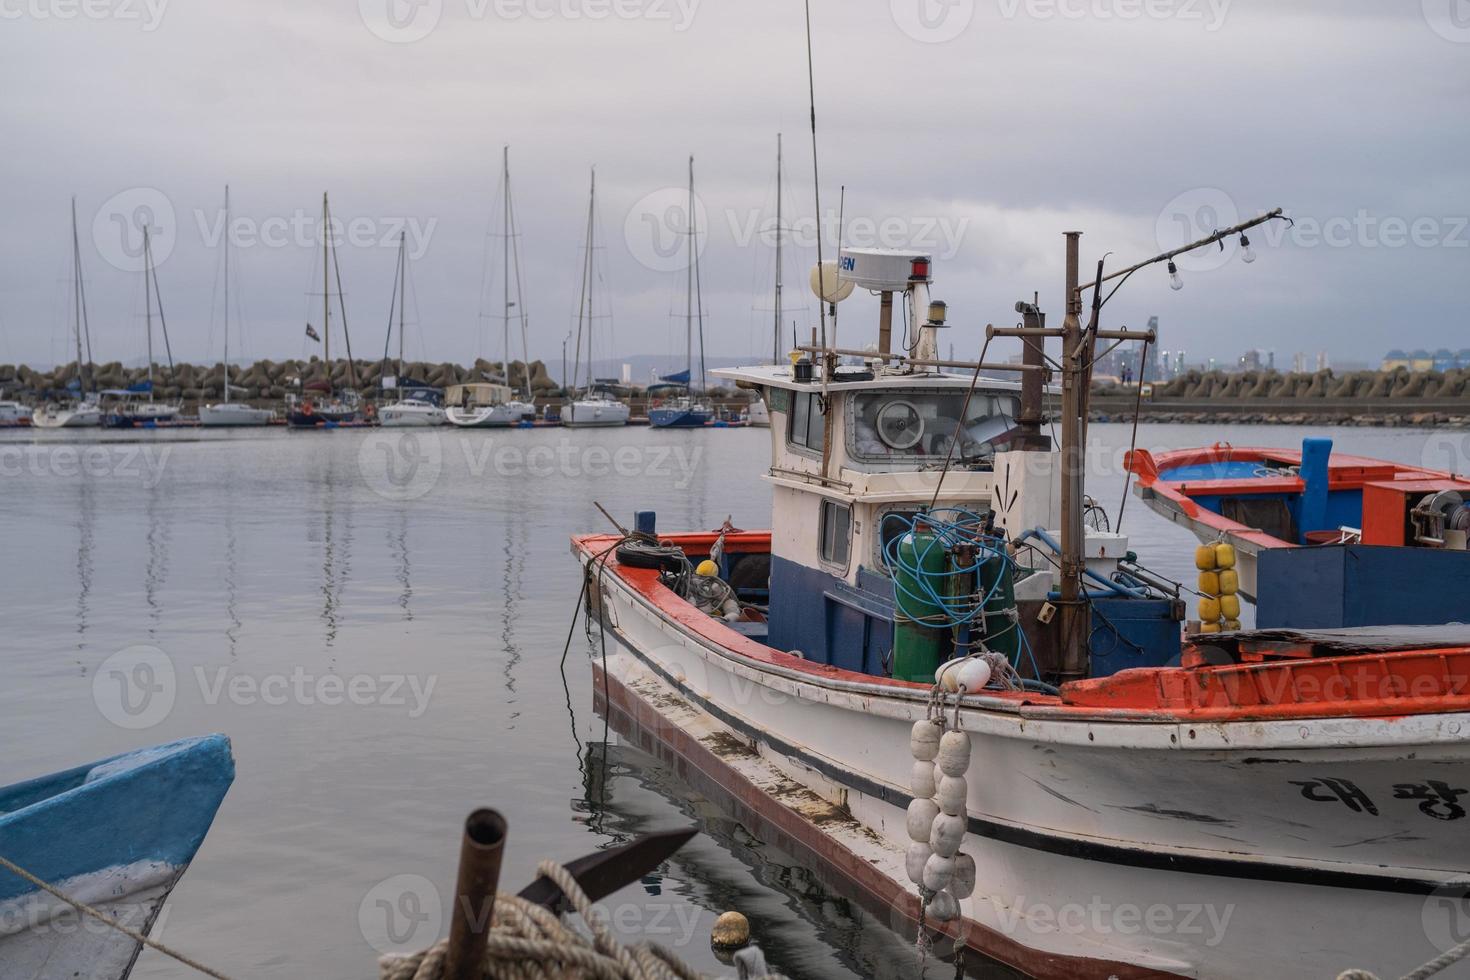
(86, 511)
(336, 551)
(398, 543)
(155, 572)
(232, 591)
(515, 548)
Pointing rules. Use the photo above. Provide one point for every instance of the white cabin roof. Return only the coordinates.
(779, 376)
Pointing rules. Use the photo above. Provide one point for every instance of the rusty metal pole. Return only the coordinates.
(1033, 382)
(474, 895)
(885, 322)
(1074, 659)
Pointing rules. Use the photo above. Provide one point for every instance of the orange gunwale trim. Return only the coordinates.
(1384, 685)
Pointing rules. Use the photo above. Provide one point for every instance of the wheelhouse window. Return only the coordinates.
(921, 425)
(836, 532)
(807, 421)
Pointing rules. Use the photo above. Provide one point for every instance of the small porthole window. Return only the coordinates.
(836, 532)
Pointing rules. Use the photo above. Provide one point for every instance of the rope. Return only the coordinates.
(530, 942)
(107, 920)
(1441, 962)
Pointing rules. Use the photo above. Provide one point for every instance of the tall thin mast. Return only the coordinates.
(776, 333)
(591, 270)
(689, 287)
(78, 297)
(326, 291)
(402, 298)
(227, 294)
(505, 258)
(148, 305)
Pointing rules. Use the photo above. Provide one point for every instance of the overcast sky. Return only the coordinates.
(979, 130)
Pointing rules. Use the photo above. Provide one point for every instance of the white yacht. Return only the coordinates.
(84, 411)
(411, 410)
(14, 413)
(484, 405)
(598, 405)
(226, 412)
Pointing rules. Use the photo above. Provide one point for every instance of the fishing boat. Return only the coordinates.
(14, 414)
(117, 834)
(136, 406)
(673, 402)
(415, 405)
(597, 405)
(80, 409)
(226, 412)
(974, 712)
(1322, 539)
(319, 403)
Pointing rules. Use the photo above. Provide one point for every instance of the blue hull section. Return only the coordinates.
(664, 418)
(1331, 586)
(154, 804)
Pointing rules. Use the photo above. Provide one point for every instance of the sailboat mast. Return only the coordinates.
(776, 334)
(505, 258)
(77, 294)
(148, 305)
(326, 291)
(227, 294)
(402, 299)
(689, 286)
(591, 270)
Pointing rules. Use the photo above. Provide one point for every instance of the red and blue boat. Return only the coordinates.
(1322, 539)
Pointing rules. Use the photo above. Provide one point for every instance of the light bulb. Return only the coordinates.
(1175, 282)
(1246, 252)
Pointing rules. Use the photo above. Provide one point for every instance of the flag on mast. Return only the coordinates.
(311, 332)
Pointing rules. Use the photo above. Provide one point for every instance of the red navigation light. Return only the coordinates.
(919, 269)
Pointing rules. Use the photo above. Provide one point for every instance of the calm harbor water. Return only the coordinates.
(379, 631)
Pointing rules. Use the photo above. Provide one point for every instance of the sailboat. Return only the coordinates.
(414, 406)
(228, 413)
(84, 411)
(598, 405)
(127, 408)
(494, 404)
(672, 403)
(318, 403)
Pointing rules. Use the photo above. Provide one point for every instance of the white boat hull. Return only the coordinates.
(595, 414)
(409, 415)
(500, 416)
(43, 938)
(71, 418)
(234, 414)
(1104, 848)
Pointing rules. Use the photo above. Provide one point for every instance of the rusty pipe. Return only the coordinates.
(474, 894)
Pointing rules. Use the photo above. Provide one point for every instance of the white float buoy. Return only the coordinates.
(921, 818)
(962, 880)
(924, 740)
(943, 907)
(947, 675)
(921, 782)
(946, 833)
(954, 753)
(951, 795)
(918, 855)
(973, 675)
(937, 872)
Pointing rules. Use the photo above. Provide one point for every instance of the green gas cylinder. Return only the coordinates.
(919, 633)
(995, 579)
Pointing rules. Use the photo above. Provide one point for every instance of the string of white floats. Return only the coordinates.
(937, 816)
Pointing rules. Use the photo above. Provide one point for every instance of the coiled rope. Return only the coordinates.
(1441, 962)
(529, 942)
